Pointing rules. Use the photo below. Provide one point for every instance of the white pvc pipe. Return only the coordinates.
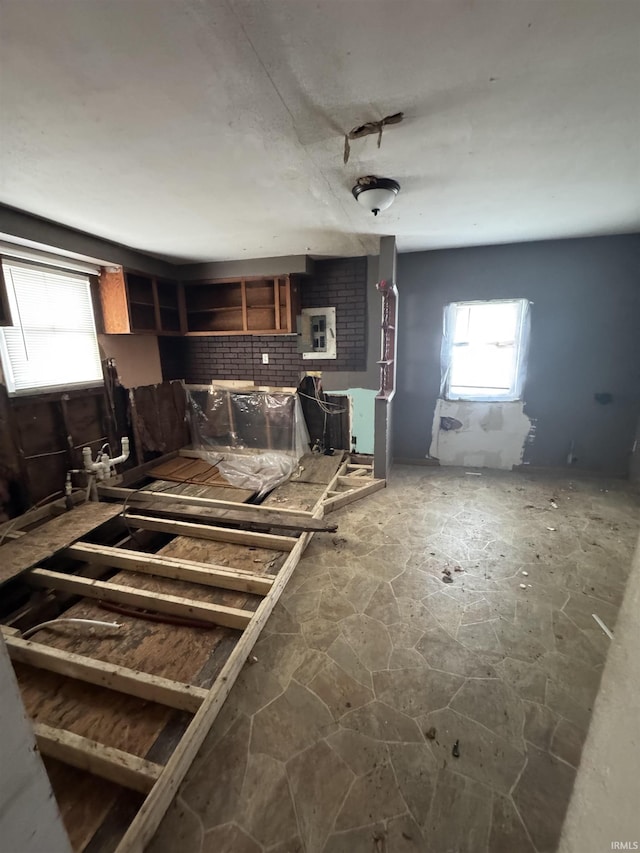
(103, 466)
(96, 622)
(123, 456)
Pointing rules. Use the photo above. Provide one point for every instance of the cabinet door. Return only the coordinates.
(113, 298)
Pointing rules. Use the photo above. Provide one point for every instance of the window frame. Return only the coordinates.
(6, 364)
(521, 345)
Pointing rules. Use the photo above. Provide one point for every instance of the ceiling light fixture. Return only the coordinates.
(374, 193)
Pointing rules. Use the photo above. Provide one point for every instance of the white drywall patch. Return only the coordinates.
(490, 435)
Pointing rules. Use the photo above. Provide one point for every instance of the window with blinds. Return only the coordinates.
(53, 342)
(484, 349)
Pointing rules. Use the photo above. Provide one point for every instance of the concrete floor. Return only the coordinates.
(340, 737)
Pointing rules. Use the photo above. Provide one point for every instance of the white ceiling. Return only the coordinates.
(213, 129)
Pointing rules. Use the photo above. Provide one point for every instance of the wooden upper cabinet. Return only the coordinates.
(135, 303)
(247, 306)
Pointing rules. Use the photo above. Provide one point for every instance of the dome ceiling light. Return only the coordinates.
(375, 194)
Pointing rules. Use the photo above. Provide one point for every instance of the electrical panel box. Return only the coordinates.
(316, 329)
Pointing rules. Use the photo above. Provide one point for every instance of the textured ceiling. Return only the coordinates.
(203, 130)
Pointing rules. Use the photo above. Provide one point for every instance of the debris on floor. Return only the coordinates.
(603, 626)
(546, 661)
(456, 749)
(380, 841)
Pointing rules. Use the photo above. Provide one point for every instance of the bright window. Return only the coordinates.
(484, 349)
(53, 342)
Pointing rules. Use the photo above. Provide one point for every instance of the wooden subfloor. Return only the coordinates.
(97, 812)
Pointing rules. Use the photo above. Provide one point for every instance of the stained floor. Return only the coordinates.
(403, 635)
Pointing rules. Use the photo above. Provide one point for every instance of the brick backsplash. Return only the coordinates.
(339, 282)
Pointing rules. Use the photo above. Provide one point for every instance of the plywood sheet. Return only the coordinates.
(192, 655)
(23, 553)
(195, 471)
(316, 468)
(293, 495)
(218, 492)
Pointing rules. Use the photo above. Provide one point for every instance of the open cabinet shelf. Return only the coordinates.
(135, 303)
(244, 306)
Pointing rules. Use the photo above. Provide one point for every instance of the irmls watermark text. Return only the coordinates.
(625, 845)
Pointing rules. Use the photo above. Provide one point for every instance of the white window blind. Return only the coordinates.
(53, 341)
(484, 349)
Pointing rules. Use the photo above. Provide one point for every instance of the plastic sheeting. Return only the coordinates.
(254, 437)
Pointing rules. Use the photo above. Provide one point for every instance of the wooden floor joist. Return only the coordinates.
(215, 614)
(277, 514)
(355, 482)
(20, 554)
(224, 510)
(152, 688)
(104, 761)
(170, 567)
(357, 491)
(318, 478)
(208, 531)
(146, 822)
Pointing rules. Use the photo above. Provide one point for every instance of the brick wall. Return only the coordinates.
(339, 283)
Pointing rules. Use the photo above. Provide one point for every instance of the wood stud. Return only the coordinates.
(161, 783)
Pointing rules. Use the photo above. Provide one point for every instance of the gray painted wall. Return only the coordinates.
(634, 466)
(25, 226)
(585, 339)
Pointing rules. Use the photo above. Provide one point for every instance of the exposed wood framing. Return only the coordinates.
(34, 516)
(216, 614)
(105, 761)
(224, 510)
(337, 500)
(109, 491)
(20, 554)
(319, 477)
(207, 531)
(171, 567)
(134, 475)
(154, 807)
(183, 697)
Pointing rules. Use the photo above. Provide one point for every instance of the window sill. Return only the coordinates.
(56, 392)
(482, 399)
